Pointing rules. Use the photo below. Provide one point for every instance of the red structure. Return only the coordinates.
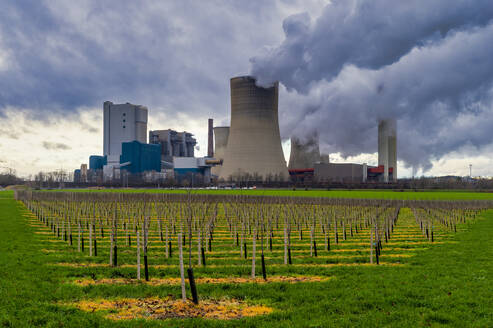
(379, 169)
(301, 175)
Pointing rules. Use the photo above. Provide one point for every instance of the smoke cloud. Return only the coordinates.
(427, 64)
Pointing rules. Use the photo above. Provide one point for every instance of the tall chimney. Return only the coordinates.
(210, 143)
(387, 148)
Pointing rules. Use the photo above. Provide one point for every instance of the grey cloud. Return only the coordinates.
(442, 96)
(368, 34)
(55, 146)
(177, 55)
(428, 64)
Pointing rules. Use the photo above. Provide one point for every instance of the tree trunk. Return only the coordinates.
(182, 269)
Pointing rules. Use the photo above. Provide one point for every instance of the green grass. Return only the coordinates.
(368, 194)
(448, 284)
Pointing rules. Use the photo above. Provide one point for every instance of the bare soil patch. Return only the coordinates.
(176, 281)
(165, 308)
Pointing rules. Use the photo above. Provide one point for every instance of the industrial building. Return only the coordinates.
(138, 157)
(254, 142)
(83, 172)
(387, 149)
(221, 134)
(173, 143)
(340, 172)
(97, 162)
(192, 167)
(386, 171)
(128, 155)
(122, 123)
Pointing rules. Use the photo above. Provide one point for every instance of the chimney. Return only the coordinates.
(210, 143)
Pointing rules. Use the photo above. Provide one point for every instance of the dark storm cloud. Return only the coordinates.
(175, 56)
(368, 34)
(55, 146)
(428, 64)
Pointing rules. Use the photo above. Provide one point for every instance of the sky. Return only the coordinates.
(342, 65)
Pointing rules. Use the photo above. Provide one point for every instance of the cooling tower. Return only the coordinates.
(254, 143)
(304, 152)
(221, 134)
(387, 147)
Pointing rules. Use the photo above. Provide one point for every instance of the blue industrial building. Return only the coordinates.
(97, 162)
(138, 157)
(77, 176)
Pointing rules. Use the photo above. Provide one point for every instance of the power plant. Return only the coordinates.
(249, 149)
(254, 142)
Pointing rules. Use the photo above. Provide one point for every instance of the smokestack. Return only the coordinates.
(210, 143)
(387, 147)
(304, 153)
(254, 143)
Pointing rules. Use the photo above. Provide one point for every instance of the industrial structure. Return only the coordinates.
(189, 167)
(340, 172)
(126, 153)
(387, 149)
(139, 157)
(254, 142)
(97, 162)
(210, 138)
(221, 134)
(173, 143)
(250, 148)
(122, 123)
(386, 171)
(304, 152)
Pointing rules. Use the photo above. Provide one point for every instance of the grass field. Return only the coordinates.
(368, 194)
(419, 283)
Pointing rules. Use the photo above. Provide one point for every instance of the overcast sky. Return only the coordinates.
(341, 64)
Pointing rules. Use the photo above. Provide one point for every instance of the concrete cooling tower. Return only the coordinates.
(304, 152)
(254, 143)
(221, 134)
(387, 148)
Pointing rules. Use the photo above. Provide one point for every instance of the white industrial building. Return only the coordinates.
(122, 123)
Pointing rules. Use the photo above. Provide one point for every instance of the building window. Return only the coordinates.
(124, 114)
(124, 126)
(123, 121)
